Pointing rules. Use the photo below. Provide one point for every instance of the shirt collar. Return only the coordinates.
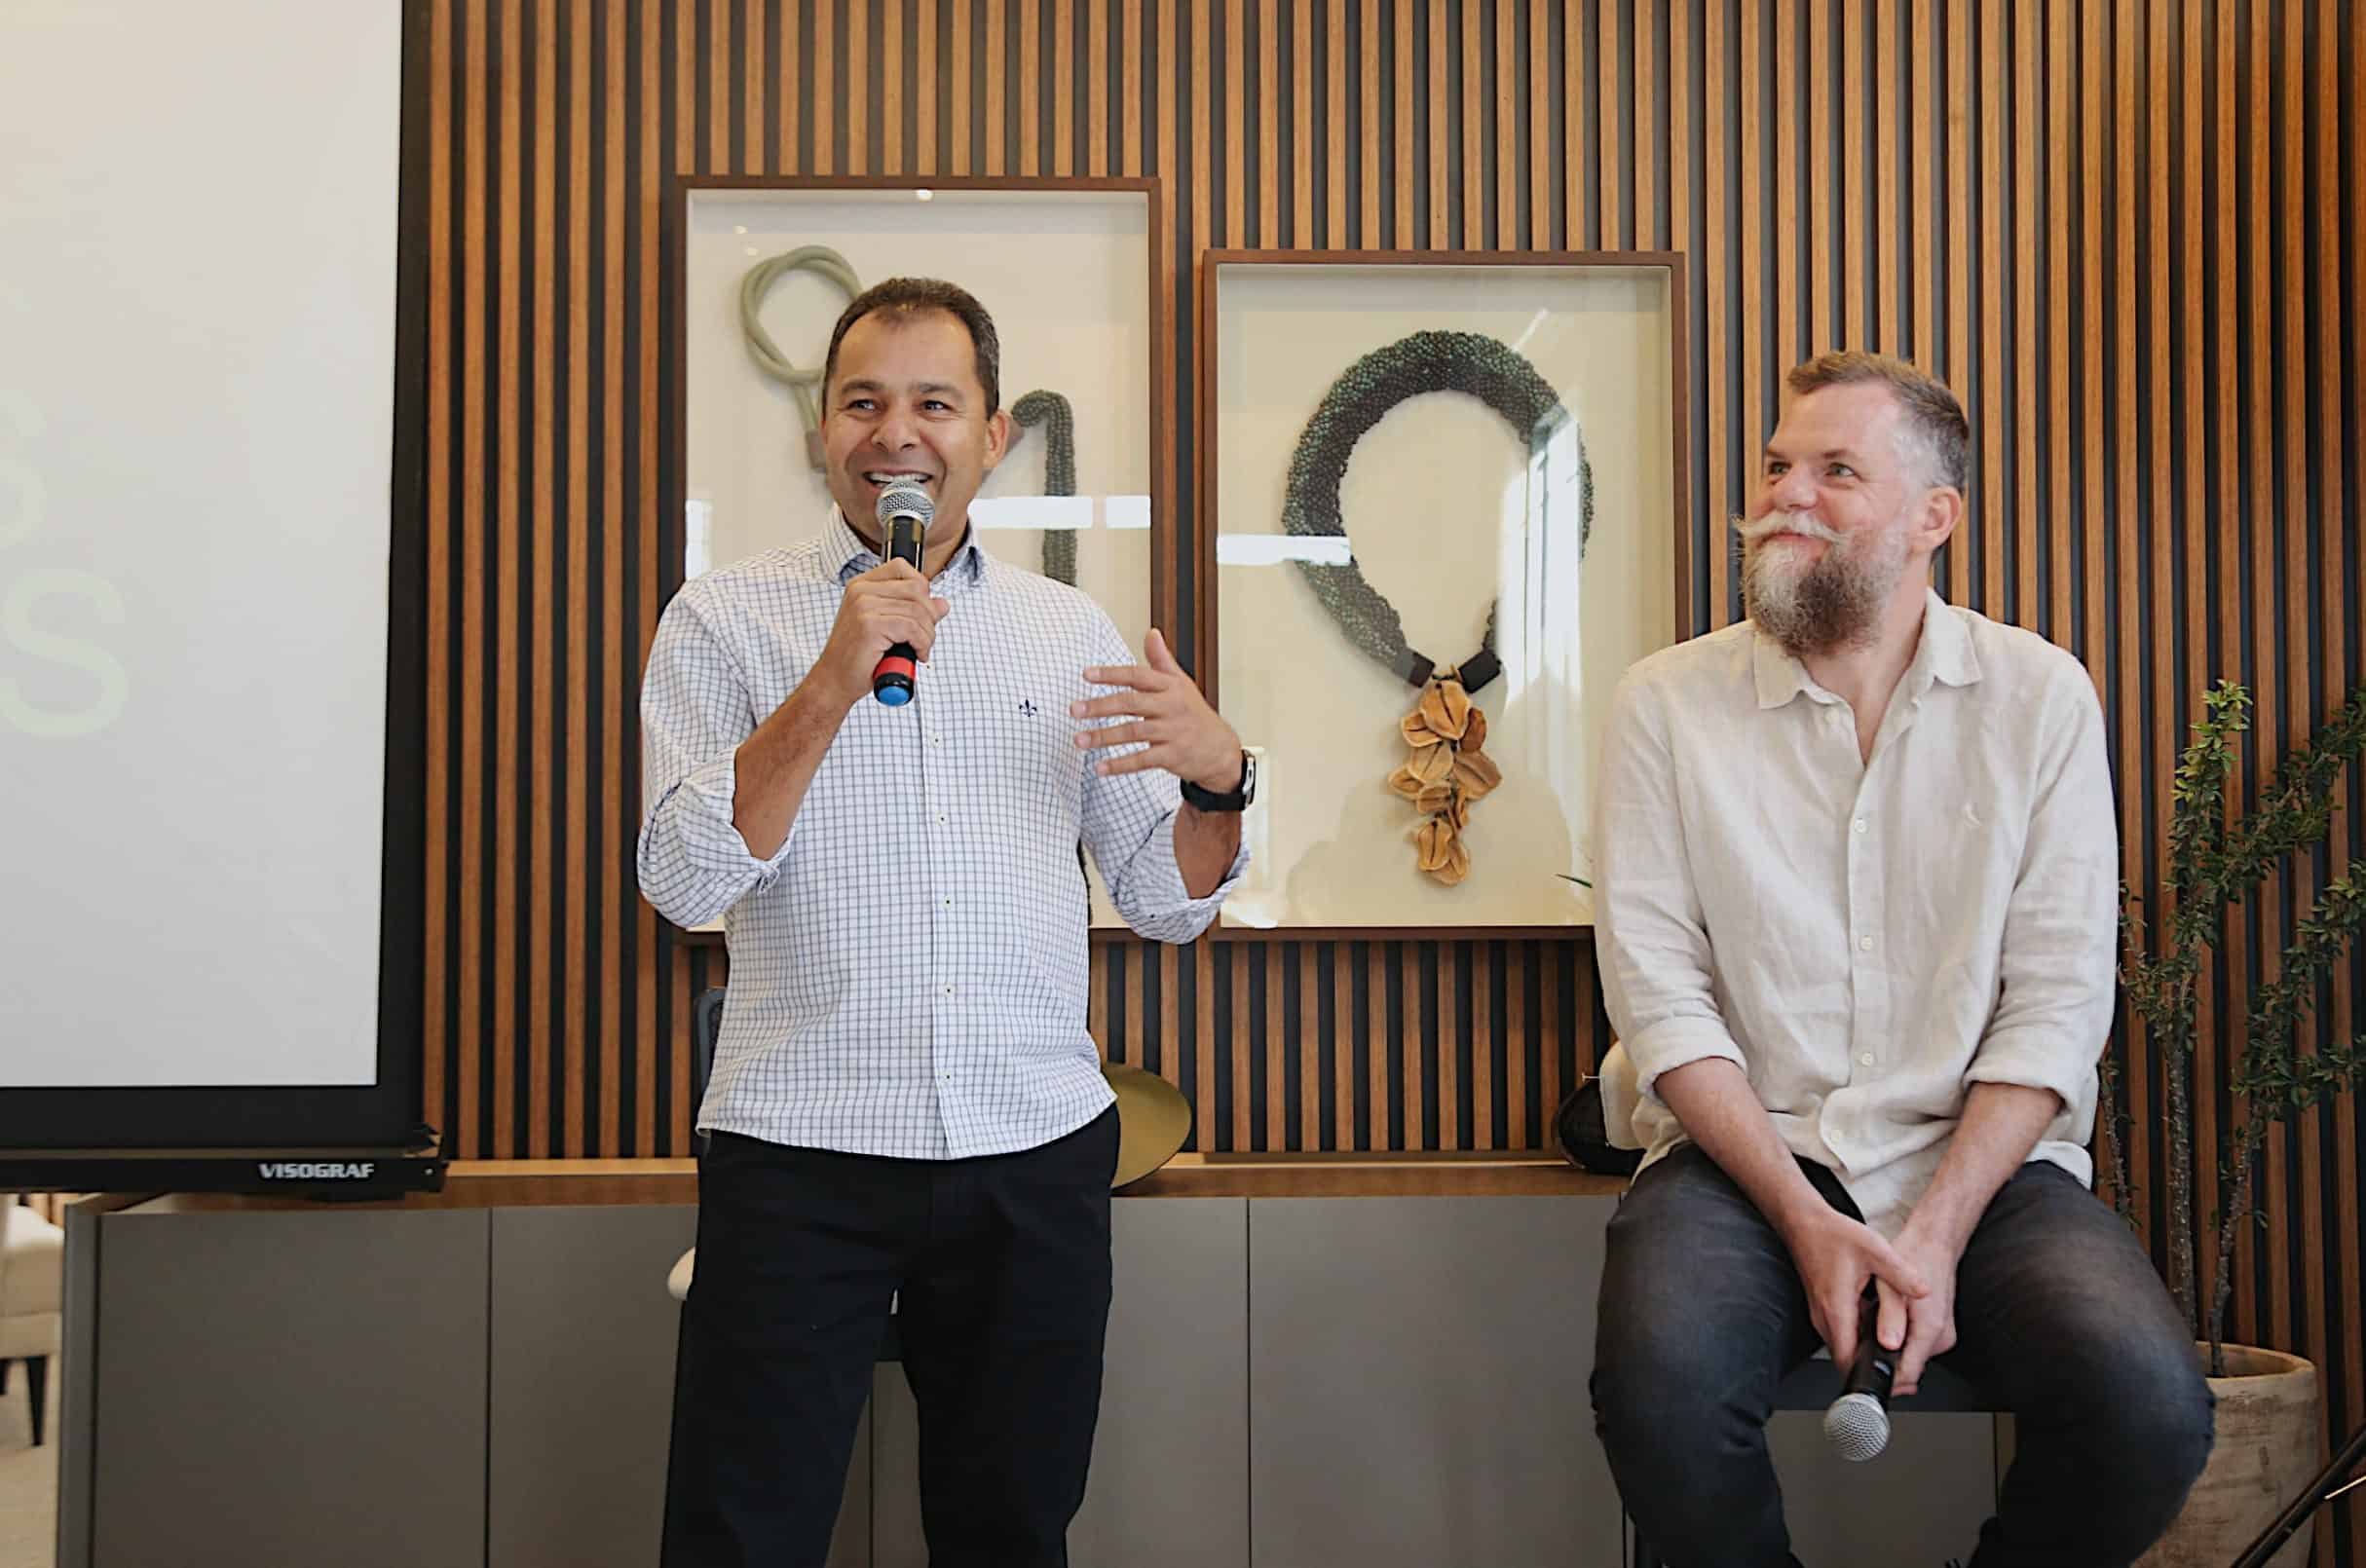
(1943, 653)
(845, 554)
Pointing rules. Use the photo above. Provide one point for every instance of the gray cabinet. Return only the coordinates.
(1417, 1382)
(285, 1388)
(1290, 1382)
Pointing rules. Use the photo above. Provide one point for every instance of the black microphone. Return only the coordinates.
(904, 513)
(1857, 1423)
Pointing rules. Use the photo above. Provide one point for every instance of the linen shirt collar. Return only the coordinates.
(1942, 653)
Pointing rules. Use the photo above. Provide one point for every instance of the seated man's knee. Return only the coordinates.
(1664, 1387)
(2144, 1417)
(2166, 1419)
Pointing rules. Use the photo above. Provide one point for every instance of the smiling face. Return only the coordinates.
(905, 403)
(1843, 509)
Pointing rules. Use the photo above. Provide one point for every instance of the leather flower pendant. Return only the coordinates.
(1447, 774)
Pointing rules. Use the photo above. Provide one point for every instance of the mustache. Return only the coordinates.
(1780, 523)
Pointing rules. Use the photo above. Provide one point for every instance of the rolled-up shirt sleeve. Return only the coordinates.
(2055, 975)
(1650, 934)
(1128, 822)
(695, 710)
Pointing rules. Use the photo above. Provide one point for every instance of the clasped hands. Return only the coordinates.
(1914, 1277)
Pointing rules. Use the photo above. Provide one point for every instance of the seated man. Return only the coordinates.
(1858, 913)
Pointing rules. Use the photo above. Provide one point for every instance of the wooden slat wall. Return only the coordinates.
(2129, 232)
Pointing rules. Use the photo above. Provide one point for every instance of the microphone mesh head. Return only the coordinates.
(1857, 1426)
(904, 499)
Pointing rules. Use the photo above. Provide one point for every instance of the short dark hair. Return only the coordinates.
(1934, 419)
(909, 296)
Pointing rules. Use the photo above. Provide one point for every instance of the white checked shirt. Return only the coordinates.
(1865, 940)
(909, 971)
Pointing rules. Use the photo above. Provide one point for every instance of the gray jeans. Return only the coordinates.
(2059, 1318)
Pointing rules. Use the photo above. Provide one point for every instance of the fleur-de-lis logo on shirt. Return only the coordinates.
(1027, 705)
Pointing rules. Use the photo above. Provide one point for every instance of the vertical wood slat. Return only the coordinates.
(1439, 131)
(576, 760)
(1098, 20)
(1063, 87)
(1750, 370)
(1334, 140)
(1609, 149)
(1823, 238)
(1368, 127)
(1303, 121)
(927, 29)
(1235, 228)
(1268, 123)
(2026, 122)
(2062, 85)
(1403, 72)
(963, 139)
(1029, 104)
(644, 608)
(476, 247)
(2343, 670)
(1716, 284)
(824, 80)
(437, 890)
(1957, 357)
(2052, 253)
(542, 657)
(1473, 136)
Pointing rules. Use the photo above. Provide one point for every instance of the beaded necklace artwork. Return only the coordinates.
(1448, 771)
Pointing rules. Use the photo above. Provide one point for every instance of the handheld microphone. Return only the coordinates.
(1857, 1423)
(904, 513)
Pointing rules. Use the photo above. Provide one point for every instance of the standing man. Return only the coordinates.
(1858, 900)
(905, 1103)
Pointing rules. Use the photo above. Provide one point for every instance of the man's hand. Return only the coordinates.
(888, 604)
(1836, 1256)
(1923, 1325)
(1183, 736)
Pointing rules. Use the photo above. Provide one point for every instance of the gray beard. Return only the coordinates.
(1834, 604)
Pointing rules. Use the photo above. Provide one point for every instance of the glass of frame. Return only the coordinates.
(1067, 271)
(1440, 439)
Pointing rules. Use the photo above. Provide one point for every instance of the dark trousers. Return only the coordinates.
(1002, 1269)
(2059, 1318)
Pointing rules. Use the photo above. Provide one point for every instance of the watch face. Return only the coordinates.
(1248, 778)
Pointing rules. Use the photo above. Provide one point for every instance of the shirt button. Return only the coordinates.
(948, 990)
(936, 740)
(940, 816)
(1866, 943)
(1860, 824)
(948, 902)
(1866, 1059)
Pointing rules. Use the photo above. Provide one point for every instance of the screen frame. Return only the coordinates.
(385, 1114)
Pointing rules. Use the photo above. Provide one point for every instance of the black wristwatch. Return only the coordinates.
(1201, 800)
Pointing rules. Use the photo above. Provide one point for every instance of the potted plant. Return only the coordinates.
(2268, 1402)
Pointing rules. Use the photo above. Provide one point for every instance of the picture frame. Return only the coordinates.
(758, 269)
(1359, 500)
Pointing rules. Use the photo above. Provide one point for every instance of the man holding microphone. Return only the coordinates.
(905, 1103)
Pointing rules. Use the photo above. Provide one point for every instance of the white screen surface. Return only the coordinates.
(198, 218)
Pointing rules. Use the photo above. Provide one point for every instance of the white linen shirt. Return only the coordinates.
(1865, 940)
(908, 970)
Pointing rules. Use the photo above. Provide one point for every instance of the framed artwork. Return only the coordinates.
(1445, 504)
(758, 271)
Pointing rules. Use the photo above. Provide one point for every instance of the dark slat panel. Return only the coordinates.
(2126, 232)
